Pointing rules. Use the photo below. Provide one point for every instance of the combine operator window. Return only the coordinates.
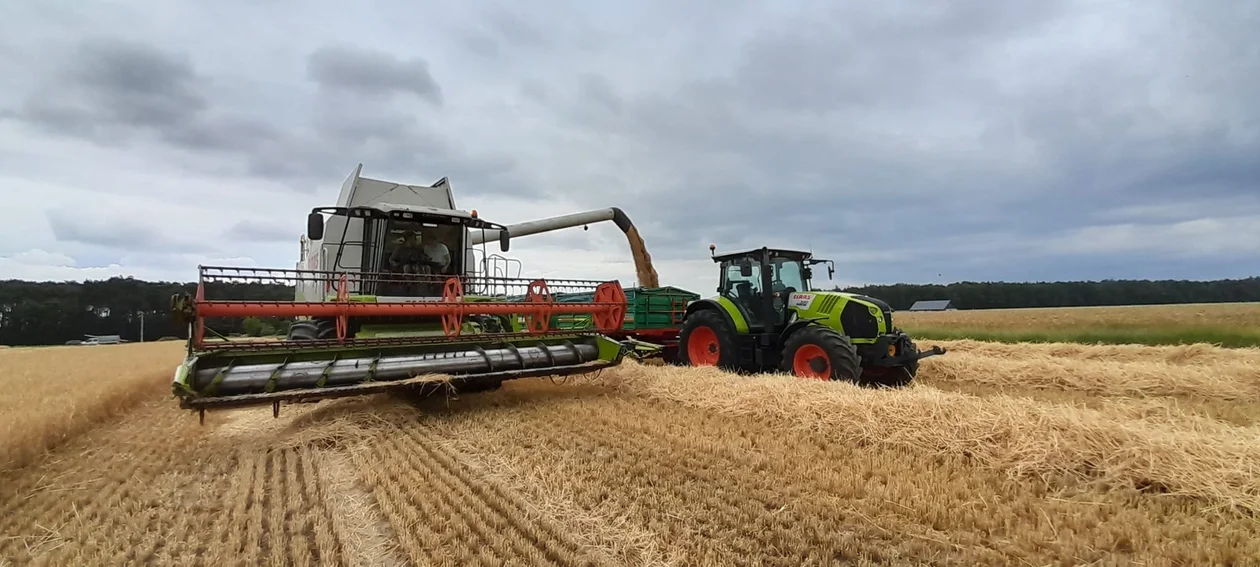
(423, 249)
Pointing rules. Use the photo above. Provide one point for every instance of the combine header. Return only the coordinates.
(474, 335)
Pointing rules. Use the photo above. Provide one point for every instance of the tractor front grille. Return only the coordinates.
(858, 321)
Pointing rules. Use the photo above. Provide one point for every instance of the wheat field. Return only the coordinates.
(1227, 324)
(999, 454)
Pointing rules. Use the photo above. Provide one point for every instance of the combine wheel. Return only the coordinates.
(707, 340)
(327, 328)
(303, 331)
(821, 353)
(310, 330)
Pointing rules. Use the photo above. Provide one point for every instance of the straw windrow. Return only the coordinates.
(1214, 462)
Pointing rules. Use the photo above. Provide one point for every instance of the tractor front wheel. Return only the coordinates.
(821, 353)
(707, 340)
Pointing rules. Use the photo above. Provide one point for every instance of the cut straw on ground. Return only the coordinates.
(1019, 435)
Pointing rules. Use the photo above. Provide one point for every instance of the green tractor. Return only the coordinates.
(767, 319)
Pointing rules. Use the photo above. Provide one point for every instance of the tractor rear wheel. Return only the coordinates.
(707, 340)
(821, 353)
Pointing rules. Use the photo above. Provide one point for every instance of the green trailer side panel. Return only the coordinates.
(657, 308)
(646, 308)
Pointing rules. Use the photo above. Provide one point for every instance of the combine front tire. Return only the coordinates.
(707, 340)
(303, 331)
(822, 354)
(310, 330)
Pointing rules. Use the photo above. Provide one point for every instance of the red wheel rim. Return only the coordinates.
(810, 361)
(703, 348)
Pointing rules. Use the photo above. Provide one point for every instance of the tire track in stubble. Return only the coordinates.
(483, 523)
(728, 505)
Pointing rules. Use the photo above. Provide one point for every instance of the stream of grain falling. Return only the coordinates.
(642, 260)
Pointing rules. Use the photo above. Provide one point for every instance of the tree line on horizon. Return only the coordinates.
(1012, 295)
(50, 313)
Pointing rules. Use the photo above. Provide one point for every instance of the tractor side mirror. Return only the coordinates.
(315, 226)
(745, 269)
(503, 240)
(831, 272)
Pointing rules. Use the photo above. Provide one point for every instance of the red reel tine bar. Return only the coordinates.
(445, 298)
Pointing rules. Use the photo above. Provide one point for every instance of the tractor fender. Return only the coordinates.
(710, 305)
(796, 326)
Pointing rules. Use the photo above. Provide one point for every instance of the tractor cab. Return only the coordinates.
(761, 282)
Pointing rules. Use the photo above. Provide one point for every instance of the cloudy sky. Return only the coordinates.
(909, 141)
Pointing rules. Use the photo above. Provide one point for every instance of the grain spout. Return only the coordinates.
(643, 268)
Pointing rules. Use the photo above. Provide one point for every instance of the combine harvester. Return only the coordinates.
(375, 309)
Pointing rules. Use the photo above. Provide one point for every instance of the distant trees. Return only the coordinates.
(44, 313)
(998, 295)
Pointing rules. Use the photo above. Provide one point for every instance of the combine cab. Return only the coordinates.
(394, 298)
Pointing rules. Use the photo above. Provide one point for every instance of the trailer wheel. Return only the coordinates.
(821, 353)
(706, 340)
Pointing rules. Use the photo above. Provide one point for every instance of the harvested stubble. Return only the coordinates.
(1199, 354)
(644, 466)
(1195, 371)
(758, 476)
(1233, 325)
(1014, 434)
(54, 393)
(1190, 315)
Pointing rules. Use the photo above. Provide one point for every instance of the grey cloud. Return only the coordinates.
(372, 72)
(251, 230)
(901, 131)
(971, 139)
(110, 85)
(502, 32)
(128, 234)
(113, 91)
(515, 29)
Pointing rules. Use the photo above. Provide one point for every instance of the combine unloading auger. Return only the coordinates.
(476, 332)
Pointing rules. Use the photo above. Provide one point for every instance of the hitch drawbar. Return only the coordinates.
(936, 350)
